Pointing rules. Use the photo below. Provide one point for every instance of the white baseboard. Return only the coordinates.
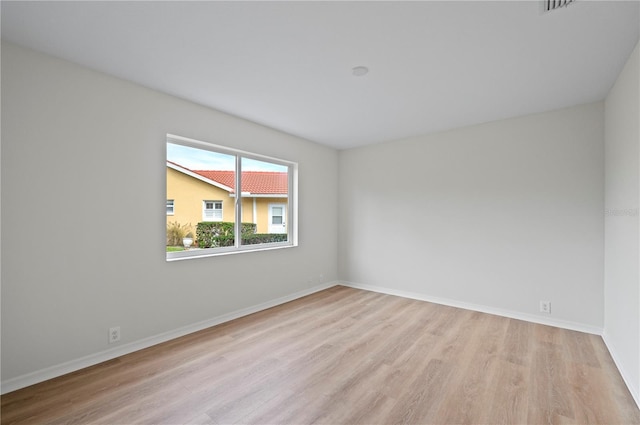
(633, 387)
(481, 308)
(93, 359)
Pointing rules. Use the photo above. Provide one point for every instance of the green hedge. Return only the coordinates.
(264, 238)
(213, 234)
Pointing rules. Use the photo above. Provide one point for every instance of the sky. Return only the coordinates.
(199, 159)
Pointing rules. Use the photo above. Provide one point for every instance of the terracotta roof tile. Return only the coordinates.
(255, 182)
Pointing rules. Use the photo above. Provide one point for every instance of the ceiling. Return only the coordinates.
(288, 65)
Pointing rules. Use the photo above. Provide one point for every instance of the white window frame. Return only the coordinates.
(173, 206)
(205, 209)
(292, 202)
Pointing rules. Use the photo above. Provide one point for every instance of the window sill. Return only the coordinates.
(216, 252)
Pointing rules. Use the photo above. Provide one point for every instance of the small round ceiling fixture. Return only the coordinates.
(359, 71)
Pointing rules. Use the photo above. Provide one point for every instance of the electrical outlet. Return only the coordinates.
(545, 307)
(114, 334)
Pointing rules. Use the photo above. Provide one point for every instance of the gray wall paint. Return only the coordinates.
(622, 232)
(83, 224)
(500, 215)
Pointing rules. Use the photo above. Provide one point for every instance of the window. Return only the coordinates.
(212, 211)
(230, 201)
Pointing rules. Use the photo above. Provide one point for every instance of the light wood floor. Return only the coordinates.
(346, 356)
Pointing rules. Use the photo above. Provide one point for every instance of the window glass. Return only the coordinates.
(265, 192)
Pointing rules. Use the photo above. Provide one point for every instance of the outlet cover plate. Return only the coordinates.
(545, 307)
(114, 334)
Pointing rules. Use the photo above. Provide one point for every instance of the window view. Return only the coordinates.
(215, 194)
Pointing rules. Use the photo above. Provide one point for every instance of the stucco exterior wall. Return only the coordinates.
(188, 194)
(262, 212)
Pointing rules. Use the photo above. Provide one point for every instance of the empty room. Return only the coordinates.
(376, 212)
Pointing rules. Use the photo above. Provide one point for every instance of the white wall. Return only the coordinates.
(497, 216)
(622, 231)
(83, 224)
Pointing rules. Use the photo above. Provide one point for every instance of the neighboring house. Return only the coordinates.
(208, 195)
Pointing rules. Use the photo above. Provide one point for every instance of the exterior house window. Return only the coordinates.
(231, 201)
(212, 211)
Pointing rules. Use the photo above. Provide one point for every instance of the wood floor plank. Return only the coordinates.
(345, 356)
(469, 394)
(548, 398)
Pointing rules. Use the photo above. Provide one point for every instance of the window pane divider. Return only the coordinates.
(238, 203)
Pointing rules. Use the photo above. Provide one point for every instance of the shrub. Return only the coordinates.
(263, 238)
(175, 232)
(214, 234)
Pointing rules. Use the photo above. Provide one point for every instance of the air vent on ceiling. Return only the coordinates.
(555, 4)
